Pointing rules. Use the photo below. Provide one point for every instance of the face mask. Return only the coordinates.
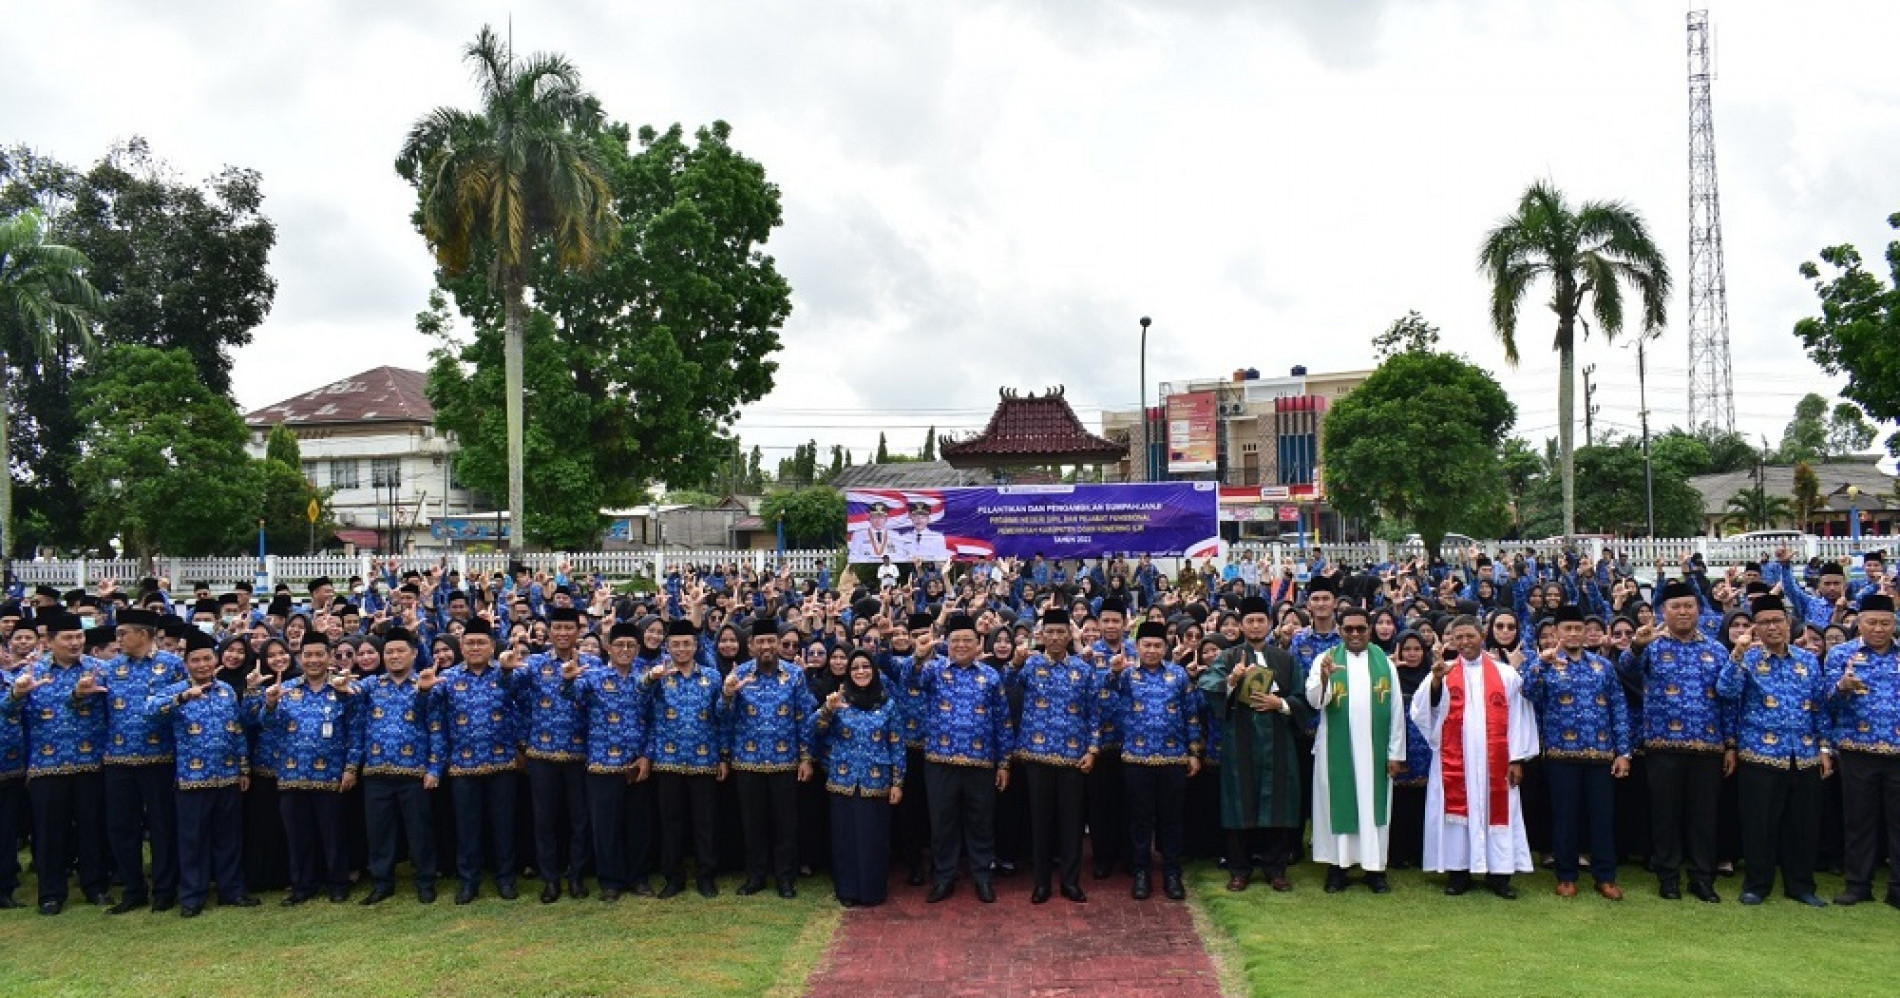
(229, 619)
(209, 627)
(88, 621)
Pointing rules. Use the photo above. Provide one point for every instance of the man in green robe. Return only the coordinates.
(1254, 690)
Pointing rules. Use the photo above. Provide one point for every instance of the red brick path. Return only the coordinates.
(1112, 946)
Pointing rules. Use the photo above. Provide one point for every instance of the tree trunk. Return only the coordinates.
(1566, 410)
(513, 335)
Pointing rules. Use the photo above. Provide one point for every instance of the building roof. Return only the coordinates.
(1877, 487)
(906, 475)
(1031, 430)
(382, 395)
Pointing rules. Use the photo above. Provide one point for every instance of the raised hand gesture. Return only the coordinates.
(571, 671)
(426, 679)
(26, 684)
(835, 702)
(89, 685)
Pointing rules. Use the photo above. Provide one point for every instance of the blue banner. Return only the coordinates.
(1166, 519)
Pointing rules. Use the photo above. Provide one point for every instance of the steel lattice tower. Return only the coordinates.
(1711, 386)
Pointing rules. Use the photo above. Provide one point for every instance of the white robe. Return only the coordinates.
(1365, 848)
(1473, 844)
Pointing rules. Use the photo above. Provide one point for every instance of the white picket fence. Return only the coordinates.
(222, 573)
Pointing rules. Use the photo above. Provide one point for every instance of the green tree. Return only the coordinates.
(288, 495)
(883, 450)
(929, 453)
(1521, 467)
(814, 516)
(521, 175)
(1588, 254)
(162, 463)
(46, 305)
(1420, 442)
(1858, 330)
(1848, 431)
(754, 472)
(1615, 501)
(1807, 495)
(1411, 334)
(1805, 437)
(1756, 509)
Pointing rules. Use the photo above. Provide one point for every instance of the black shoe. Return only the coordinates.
(788, 888)
(294, 898)
(1752, 899)
(916, 877)
(425, 893)
(125, 906)
(1501, 886)
(1459, 883)
(1378, 883)
(942, 889)
(750, 887)
(1670, 891)
(576, 887)
(338, 895)
(164, 904)
(985, 891)
(241, 901)
(507, 892)
(1142, 889)
(708, 887)
(1103, 872)
(671, 889)
(466, 895)
(1075, 893)
(1335, 880)
(1172, 888)
(52, 907)
(7, 903)
(641, 888)
(1704, 893)
(191, 911)
(104, 900)
(1039, 895)
(551, 893)
(1811, 899)
(1893, 898)
(608, 895)
(377, 895)
(1851, 897)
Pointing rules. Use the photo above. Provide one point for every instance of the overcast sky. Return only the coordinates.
(985, 194)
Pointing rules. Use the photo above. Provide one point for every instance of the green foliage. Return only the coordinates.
(883, 450)
(1807, 495)
(1611, 500)
(568, 486)
(281, 446)
(814, 516)
(1420, 442)
(1705, 452)
(691, 497)
(1411, 334)
(1521, 466)
(929, 453)
(1848, 431)
(1805, 438)
(287, 496)
(163, 464)
(1755, 509)
(801, 469)
(1858, 330)
(1588, 254)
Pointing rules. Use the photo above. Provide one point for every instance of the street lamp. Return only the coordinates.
(1147, 448)
(1853, 515)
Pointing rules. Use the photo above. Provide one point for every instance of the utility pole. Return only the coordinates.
(1590, 408)
(1642, 402)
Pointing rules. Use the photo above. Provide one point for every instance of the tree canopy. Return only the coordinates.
(814, 516)
(1858, 331)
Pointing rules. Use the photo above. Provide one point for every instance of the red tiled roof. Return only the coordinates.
(1032, 430)
(386, 394)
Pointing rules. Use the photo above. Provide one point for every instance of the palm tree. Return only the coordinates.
(495, 182)
(1589, 253)
(45, 302)
(1756, 509)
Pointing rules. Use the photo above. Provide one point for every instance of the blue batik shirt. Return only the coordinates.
(207, 732)
(1782, 701)
(1060, 699)
(1580, 707)
(1681, 710)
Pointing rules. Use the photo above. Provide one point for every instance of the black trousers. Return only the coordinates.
(69, 825)
(861, 847)
(687, 802)
(1108, 811)
(1203, 814)
(1870, 793)
(1275, 848)
(139, 802)
(1685, 790)
(621, 814)
(1781, 825)
(210, 844)
(913, 811)
(266, 862)
(962, 819)
(12, 813)
(1056, 796)
(397, 807)
(814, 823)
(313, 827)
(485, 810)
(1405, 849)
(768, 815)
(560, 817)
(1156, 799)
(1580, 790)
(1633, 827)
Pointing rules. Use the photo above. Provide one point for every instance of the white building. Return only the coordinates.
(372, 439)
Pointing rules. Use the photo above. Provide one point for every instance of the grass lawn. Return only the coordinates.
(1416, 941)
(759, 946)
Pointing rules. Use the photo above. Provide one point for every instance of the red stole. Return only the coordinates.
(1497, 745)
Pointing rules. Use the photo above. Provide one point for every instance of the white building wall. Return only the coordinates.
(422, 459)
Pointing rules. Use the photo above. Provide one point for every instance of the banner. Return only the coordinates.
(1167, 519)
(1193, 422)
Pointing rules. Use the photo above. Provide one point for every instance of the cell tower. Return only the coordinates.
(1711, 386)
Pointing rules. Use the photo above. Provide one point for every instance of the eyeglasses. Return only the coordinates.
(1355, 629)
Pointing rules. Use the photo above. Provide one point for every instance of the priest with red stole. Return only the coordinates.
(1481, 730)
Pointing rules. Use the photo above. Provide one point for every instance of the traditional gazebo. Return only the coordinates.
(1030, 432)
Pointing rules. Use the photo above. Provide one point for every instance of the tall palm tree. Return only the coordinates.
(45, 302)
(1756, 509)
(1589, 254)
(497, 181)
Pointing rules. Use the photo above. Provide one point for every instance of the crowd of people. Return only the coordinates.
(976, 719)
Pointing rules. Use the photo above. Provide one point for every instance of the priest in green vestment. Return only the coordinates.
(1360, 748)
(1256, 692)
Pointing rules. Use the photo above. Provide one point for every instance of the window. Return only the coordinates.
(310, 473)
(343, 475)
(385, 472)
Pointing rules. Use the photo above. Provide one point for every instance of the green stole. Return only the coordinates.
(1343, 781)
